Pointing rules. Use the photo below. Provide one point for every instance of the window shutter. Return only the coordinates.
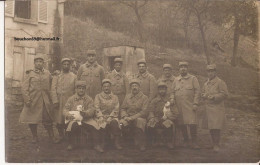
(9, 8)
(43, 11)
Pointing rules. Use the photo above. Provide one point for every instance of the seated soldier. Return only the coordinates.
(161, 117)
(79, 112)
(107, 109)
(133, 114)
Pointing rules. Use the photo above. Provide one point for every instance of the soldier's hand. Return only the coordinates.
(195, 107)
(203, 95)
(56, 105)
(70, 117)
(172, 102)
(210, 97)
(109, 119)
(28, 104)
(128, 118)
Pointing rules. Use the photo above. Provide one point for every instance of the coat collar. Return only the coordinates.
(136, 96)
(77, 97)
(95, 64)
(213, 81)
(39, 71)
(167, 79)
(144, 75)
(115, 73)
(106, 96)
(185, 77)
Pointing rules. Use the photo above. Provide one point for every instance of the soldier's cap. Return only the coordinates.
(65, 59)
(92, 52)
(183, 63)
(39, 56)
(118, 60)
(134, 81)
(81, 83)
(142, 61)
(106, 81)
(211, 67)
(161, 84)
(167, 66)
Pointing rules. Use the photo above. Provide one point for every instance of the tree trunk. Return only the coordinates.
(235, 47)
(139, 25)
(203, 39)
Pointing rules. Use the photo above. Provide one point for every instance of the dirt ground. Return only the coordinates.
(240, 143)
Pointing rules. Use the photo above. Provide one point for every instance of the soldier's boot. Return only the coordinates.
(98, 140)
(193, 132)
(140, 137)
(117, 143)
(70, 141)
(216, 140)
(60, 129)
(185, 136)
(50, 133)
(168, 138)
(33, 128)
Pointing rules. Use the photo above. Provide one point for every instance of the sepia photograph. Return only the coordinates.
(131, 81)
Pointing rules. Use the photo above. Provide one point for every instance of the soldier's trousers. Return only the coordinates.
(193, 132)
(111, 129)
(136, 133)
(160, 133)
(215, 136)
(78, 130)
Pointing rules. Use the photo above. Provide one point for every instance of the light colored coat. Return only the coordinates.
(120, 84)
(63, 87)
(148, 84)
(215, 109)
(36, 89)
(93, 74)
(186, 92)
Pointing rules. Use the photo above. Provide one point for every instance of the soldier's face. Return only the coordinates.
(211, 74)
(107, 88)
(135, 88)
(142, 68)
(81, 90)
(39, 64)
(167, 72)
(66, 66)
(183, 69)
(118, 66)
(91, 58)
(162, 90)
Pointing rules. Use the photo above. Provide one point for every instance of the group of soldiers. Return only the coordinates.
(111, 106)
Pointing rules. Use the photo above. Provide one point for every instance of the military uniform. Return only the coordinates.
(38, 106)
(186, 93)
(135, 106)
(93, 74)
(107, 106)
(214, 93)
(120, 84)
(88, 123)
(147, 82)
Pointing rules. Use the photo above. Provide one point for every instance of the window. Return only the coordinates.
(23, 9)
(27, 11)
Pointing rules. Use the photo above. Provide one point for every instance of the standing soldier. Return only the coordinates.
(186, 93)
(147, 81)
(37, 103)
(134, 112)
(63, 86)
(120, 83)
(214, 93)
(167, 77)
(92, 73)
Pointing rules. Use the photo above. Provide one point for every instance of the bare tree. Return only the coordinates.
(136, 6)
